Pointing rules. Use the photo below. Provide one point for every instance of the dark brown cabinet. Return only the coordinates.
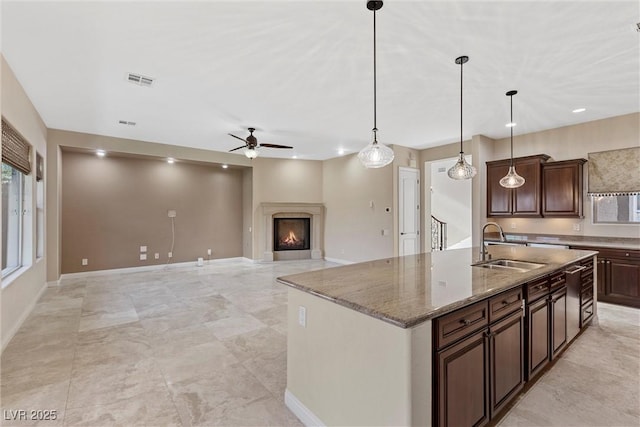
(538, 334)
(524, 201)
(618, 276)
(558, 317)
(479, 365)
(562, 184)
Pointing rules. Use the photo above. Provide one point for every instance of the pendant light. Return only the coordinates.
(375, 155)
(512, 179)
(462, 169)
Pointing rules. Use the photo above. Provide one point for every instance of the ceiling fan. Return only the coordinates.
(251, 143)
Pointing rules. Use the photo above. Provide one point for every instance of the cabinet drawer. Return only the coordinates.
(537, 289)
(586, 295)
(556, 280)
(587, 283)
(504, 304)
(586, 313)
(454, 326)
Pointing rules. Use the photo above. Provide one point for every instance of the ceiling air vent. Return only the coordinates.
(139, 80)
(126, 123)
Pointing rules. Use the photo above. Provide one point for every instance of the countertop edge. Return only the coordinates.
(440, 311)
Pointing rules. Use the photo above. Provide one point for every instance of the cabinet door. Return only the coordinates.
(558, 327)
(498, 198)
(538, 332)
(526, 199)
(463, 383)
(506, 358)
(624, 281)
(562, 188)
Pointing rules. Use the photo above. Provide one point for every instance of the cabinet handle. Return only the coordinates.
(505, 302)
(465, 322)
(540, 287)
(627, 254)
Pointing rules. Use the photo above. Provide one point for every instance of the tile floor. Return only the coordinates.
(207, 346)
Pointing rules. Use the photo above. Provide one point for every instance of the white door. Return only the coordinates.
(408, 211)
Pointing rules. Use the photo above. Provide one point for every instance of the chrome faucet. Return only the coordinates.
(483, 247)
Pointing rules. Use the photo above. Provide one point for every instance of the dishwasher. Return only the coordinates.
(574, 284)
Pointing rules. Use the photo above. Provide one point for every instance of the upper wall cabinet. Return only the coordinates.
(562, 184)
(551, 189)
(524, 201)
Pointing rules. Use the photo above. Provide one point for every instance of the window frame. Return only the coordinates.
(7, 271)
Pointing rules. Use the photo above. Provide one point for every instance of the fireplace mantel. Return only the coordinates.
(314, 210)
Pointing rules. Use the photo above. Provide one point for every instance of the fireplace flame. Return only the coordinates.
(291, 239)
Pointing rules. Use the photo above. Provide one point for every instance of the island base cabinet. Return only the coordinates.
(538, 333)
(558, 317)
(463, 383)
(506, 356)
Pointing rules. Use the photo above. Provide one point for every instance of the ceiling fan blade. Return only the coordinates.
(237, 137)
(274, 146)
(238, 148)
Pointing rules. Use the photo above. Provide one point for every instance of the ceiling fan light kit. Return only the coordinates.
(462, 169)
(512, 179)
(375, 155)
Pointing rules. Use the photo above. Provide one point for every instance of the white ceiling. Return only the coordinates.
(301, 71)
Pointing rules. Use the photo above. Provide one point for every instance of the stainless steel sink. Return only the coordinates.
(508, 264)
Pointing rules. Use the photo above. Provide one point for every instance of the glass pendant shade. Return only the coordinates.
(375, 155)
(251, 153)
(462, 169)
(512, 179)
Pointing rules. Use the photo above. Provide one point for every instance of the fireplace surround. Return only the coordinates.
(313, 212)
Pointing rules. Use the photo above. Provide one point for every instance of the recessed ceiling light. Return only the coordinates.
(101, 153)
(171, 160)
(225, 166)
(340, 151)
(579, 110)
(511, 125)
(294, 157)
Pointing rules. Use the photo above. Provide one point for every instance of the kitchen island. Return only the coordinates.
(365, 340)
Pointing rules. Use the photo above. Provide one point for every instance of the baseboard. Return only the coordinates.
(6, 339)
(339, 261)
(53, 284)
(149, 268)
(303, 413)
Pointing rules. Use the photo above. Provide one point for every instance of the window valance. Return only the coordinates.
(615, 172)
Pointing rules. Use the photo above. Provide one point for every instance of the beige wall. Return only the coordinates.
(353, 229)
(21, 290)
(382, 377)
(60, 138)
(283, 180)
(113, 205)
(573, 142)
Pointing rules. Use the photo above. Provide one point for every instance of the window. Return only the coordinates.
(616, 209)
(39, 206)
(12, 209)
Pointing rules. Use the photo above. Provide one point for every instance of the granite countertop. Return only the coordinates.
(406, 291)
(554, 239)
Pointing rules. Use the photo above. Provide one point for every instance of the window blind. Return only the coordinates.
(615, 172)
(15, 149)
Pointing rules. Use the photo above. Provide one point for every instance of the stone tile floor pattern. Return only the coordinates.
(207, 346)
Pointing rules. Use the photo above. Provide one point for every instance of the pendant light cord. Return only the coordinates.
(511, 128)
(461, 68)
(375, 103)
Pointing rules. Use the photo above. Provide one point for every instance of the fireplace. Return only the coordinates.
(291, 234)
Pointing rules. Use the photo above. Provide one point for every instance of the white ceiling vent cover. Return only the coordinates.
(127, 123)
(140, 80)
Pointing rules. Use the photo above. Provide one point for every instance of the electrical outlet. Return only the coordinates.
(513, 225)
(85, 261)
(170, 254)
(302, 316)
(143, 249)
(156, 255)
(143, 257)
(209, 252)
(576, 226)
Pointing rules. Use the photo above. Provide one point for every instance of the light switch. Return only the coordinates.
(143, 257)
(143, 249)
